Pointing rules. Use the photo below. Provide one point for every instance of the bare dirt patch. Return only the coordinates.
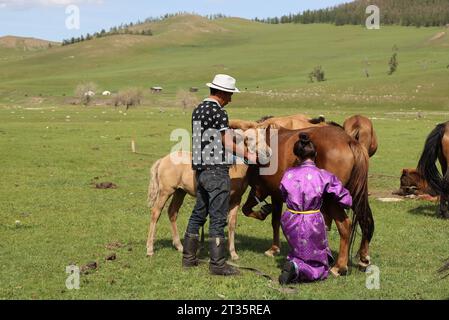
(439, 35)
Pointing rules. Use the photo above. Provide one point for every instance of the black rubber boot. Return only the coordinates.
(191, 244)
(288, 273)
(218, 265)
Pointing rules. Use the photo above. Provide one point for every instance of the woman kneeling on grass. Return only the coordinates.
(303, 188)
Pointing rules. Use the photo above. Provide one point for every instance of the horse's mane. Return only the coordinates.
(334, 124)
(318, 120)
(263, 119)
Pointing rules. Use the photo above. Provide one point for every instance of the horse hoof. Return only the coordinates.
(150, 253)
(178, 246)
(364, 264)
(272, 252)
(338, 272)
(334, 272)
(234, 256)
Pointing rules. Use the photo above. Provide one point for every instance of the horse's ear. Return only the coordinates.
(404, 171)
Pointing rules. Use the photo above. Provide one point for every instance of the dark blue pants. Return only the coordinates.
(212, 198)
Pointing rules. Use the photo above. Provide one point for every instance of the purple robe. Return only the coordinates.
(302, 189)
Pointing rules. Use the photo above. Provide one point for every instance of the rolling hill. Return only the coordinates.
(187, 50)
(25, 44)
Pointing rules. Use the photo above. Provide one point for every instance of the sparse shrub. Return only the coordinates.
(128, 97)
(317, 74)
(186, 99)
(84, 92)
(393, 64)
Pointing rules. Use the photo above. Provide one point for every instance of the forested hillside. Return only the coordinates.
(420, 13)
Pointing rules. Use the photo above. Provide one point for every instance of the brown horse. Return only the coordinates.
(437, 147)
(336, 152)
(362, 130)
(296, 121)
(413, 183)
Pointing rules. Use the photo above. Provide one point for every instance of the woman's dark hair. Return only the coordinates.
(304, 147)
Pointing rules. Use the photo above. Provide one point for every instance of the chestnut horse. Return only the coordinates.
(412, 183)
(338, 153)
(296, 121)
(437, 147)
(362, 130)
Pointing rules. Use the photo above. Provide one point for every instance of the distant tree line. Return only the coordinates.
(181, 13)
(419, 13)
(133, 28)
(122, 29)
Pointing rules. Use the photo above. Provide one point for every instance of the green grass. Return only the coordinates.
(46, 185)
(51, 153)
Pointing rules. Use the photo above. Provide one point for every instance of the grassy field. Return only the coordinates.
(51, 153)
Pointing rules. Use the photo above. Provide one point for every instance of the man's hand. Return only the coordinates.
(238, 149)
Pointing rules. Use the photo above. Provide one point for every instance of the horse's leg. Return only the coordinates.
(443, 159)
(231, 229)
(276, 224)
(251, 202)
(173, 211)
(444, 198)
(158, 206)
(343, 223)
(365, 259)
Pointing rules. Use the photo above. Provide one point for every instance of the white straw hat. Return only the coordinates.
(224, 82)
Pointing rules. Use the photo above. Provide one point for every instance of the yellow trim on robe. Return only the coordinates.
(304, 212)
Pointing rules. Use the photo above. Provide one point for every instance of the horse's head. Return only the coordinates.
(413, 183)
(256, 142)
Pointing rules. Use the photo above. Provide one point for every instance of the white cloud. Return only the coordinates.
(44, 3)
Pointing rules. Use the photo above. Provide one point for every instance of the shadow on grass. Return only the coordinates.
(428, 210)
(243, 243)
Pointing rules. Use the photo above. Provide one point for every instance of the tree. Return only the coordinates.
(84, 92)
(393, 64)
(128, 97)
(186, 99)
(317, 74)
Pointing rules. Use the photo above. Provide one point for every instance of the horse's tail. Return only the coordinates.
(374, 145)
(358, 187)
(427, 164)
(153, 188)
(355, 133)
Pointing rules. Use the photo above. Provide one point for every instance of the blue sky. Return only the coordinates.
(46, 18)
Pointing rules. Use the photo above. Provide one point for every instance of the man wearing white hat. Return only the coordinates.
(211, 137)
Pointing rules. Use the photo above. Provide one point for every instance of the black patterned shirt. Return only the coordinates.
(209, 120)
